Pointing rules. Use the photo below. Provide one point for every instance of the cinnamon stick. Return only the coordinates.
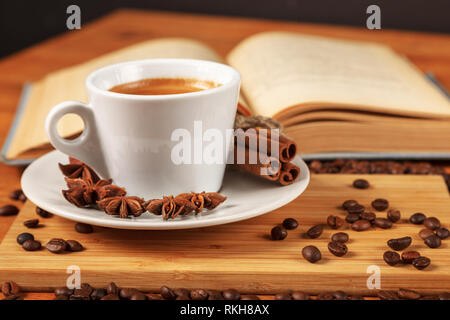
(289, 173)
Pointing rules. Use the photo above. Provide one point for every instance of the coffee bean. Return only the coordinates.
(334, 222)
(73, 245)
(214, 295)
(110, 297)
(311, 254)
(250, 297)
(369, 216)
(361, 184)
(283, 296)
(278, 233)
(315, 232)
(325, 296)
(198, 294)
(421, 263)
(112, 288)
(337, 248)
(42, 213)
(167, 293)
(433, 241)
(443, 233)
(18, 195)
(349, 203)
(83, 228)
(32, 223)
(382, 223)
(299, 295)
(357, 208)
(8, 210)
(97, 294)
(183, 298)
(391, 258)
(387, 295)
(409, 256)
(361, 225)
(380, 204)
(408, 294)
(21, 238)
(352, 217)
(127, 293)
(83, 293)
(181, 292)
(417, 218)
(139, 296)
(31, 245)
(231, 294)
(340, 295)
(425, 233)
(290, 224)
(400, 243)
(432, 223)
(10, 288)
(393, 215)
(56, 245)
(63, 291)
(340, 237)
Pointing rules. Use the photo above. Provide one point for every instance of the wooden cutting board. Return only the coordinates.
(240, 255)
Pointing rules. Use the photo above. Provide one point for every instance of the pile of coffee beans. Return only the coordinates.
(280, 232)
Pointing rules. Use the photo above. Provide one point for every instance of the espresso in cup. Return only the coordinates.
(160, 86)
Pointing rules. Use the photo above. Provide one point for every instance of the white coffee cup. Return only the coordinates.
(129, 137)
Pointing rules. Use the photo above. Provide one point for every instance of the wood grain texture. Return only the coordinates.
(240, 255)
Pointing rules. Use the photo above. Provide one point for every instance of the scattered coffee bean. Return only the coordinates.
(311, 254)
(400, 243)
(198, 294)
(337, 248)
(127, 293)
(387, 295)
(181, 292)
(380, 204)
(409, 256)
(417, 218)
(214, 295)
(361, 184)
(110, 297)
(361, 225)
(56, 245)
(340, 295)
(32, 223)
(21, 238)
(408, 294)
(278, 233)
(349, 203)
(73, 245)
(433, 241)
(357, 208)
(98, 294)
(369, 216)
(231, 294)
(63, 291)
(290, 224)
(382, 223)
(340, 237)
(10, 288)
(393, 215)
(352, 217)
(283, 296)
(42, 213)
(432, 223)
(9, 210)
(391, 258)
(18, 195)
(83, 228)
(425, 233)
(334, 222)
(31, 245)
(421, 263)
(250, 297)
(443, 233)
(315, 232)
(112, 288)
(299, 295)
(167, 293)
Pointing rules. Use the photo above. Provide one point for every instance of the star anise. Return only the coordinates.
(207, 200)
(83, 193)
(122, 206)
(170, 207)
(77, 169)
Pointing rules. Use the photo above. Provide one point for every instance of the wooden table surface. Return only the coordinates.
(429, 52)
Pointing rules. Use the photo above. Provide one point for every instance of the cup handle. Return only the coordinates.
(86, 147)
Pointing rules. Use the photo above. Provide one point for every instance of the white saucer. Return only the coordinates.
(248, 197)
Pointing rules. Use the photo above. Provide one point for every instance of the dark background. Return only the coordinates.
(23, 23)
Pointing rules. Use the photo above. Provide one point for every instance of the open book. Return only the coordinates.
(332, 96)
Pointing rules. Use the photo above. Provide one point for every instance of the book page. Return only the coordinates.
(282, 70)
(69, 84)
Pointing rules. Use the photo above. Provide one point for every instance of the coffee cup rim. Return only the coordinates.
(235, 78)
